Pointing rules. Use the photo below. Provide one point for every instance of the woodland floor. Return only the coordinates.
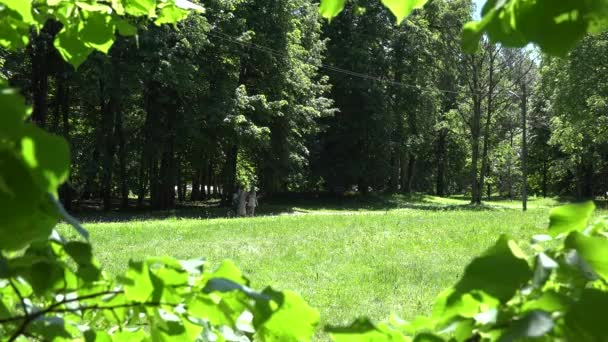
(348, 258)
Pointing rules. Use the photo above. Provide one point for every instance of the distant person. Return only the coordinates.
(252, 202)
(235, 200)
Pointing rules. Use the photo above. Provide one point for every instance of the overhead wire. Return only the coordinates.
(226, 37)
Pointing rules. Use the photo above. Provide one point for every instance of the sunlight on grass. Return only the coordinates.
(347, 259)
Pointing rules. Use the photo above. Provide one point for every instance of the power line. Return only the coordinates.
(226, 37)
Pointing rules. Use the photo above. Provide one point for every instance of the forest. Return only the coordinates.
(268, 94)
(394, 145)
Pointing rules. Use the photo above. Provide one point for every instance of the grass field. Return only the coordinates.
(347, 258)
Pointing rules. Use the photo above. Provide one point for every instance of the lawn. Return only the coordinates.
(347, 258)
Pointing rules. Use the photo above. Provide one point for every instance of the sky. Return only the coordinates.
(479, 5)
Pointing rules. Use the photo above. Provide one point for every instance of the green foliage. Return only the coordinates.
(87, 26)
(555, 26)
(400, 8)
(53, 289)
(507, 295)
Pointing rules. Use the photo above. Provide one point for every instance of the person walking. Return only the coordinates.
(235, 201)
(252, 202)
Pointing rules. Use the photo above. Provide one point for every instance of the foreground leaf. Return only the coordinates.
(571, 217)
(594, 250)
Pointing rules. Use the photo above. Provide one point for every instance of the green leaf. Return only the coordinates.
(363, 330)
(81, 252)
(14, 111)
(140, 7)
(586, 319)
(473, 31)
(549, 301)
(331, 8)
(170, 14)
(294, 320)
(556, 26)
(403, 8)
(26, 210)
(15, 23)
(98, 32)
(97, 336)
(228, 270)
(137, 335)
(24, 8)
(94, 7)
(499, 272)
(138, 285)
(70, 47)
(214, 309)
(450, 305)
(533, 324)
(47, 156)
(571, 217)
(594, 250)
(45, 276)
(124, 27)
(428, 337)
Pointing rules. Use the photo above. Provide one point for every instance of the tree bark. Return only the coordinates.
(441, 161)
(486, 132)
(524, 153)
(229, 175)
(195, 194)
(475, 131)
(122, 160)
(66, 190)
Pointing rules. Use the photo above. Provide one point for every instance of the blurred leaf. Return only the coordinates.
(26, 211)
(363, 330)
(594, 250)
(549, 301)
(294, 320)
(533, 324)
(428, 337)
(138, 286)
(571, 217)
(331, 8)
(140, 7)
(70, 47)
(586, 320)
(403, 8)
(47, 156)
(499, 272)
(98, 32)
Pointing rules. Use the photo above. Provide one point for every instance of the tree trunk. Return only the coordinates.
(394, 180)
(109, 113)
(122, 160)
(486, 131)
(195, 194)
(441, 161)
(411, 170)
(142, 181)
(544, 181)
(66, 190)
(475, 133)
(229, 175)
(403, 171)
(524, 149)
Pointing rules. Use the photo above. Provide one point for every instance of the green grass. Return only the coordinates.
(348, 258)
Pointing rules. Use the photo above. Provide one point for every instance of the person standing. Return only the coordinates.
(252, 202)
